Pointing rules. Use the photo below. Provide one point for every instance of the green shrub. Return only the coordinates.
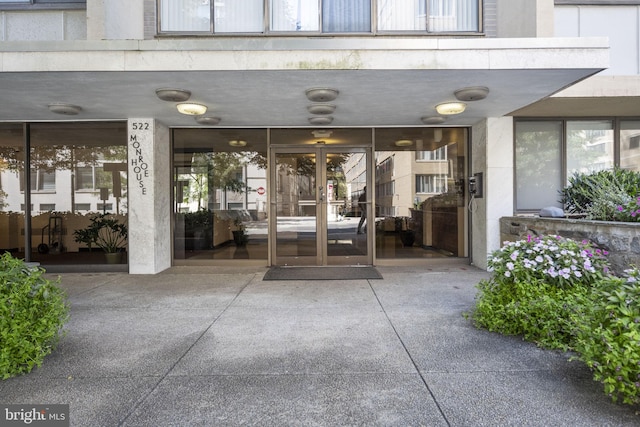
(32, 312)
(598, 195)
(537, 286)
(609, 336)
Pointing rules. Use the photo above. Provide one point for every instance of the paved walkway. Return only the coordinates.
(221, 347)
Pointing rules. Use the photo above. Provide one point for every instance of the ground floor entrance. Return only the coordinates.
(260, 196)
(319, 197)
(312, 193)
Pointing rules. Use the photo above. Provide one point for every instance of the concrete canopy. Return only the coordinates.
(260, 82)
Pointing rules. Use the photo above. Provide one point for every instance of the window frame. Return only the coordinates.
(616, 122)
(267, 32)
(44, 5)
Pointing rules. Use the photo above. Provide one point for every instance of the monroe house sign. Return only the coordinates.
(139, 132)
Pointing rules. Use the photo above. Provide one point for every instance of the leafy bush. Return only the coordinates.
(598, 195)
(609, 336)
(536, 287)
(629, 212)
(32, 312)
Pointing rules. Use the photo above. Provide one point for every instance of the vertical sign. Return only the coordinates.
(140, 142)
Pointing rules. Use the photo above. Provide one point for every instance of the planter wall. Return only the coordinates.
(620, 239)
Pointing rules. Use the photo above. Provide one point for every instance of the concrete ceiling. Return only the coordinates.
(277, 98)
(262, 83)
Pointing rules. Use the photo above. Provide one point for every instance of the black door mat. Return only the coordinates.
(322, 273)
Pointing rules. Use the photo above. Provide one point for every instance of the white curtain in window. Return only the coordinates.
(453, 15)
(401, 15)
(238, 16)
(185, 15)
(342, 16)
(294, 15)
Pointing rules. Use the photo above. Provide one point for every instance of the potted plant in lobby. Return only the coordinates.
(240, 236)
(107, 233)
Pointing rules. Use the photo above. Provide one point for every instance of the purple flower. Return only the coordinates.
(620, 208)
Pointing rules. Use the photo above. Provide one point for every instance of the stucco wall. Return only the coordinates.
(621, 240)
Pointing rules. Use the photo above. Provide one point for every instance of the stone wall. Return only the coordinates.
(620, 239)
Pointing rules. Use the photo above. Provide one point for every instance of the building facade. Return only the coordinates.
(280, 132)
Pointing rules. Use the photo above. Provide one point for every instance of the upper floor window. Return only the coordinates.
(42, 4)
(318, 16)
(437, 154)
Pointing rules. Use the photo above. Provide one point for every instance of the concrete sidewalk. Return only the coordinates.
(219, 346)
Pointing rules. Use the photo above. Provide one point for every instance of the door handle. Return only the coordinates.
(321, 198)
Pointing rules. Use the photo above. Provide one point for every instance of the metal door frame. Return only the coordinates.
(321, 258)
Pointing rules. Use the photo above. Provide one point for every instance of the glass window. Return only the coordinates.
(337, 16)
(630, 144)
(238, 16)
(437, 154)
(401, 15)
(346, 16)
(431, 183)
(538, 164)
(589, 146)
(452, 15)
(294, 15)
(185, 15)
(213, 197)
(47, 207)
(84, 178)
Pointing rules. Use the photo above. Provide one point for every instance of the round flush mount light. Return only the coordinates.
(450, 108)
(435, 120)
(173, 95)
(66, 109)
(323, 120)
(208, 120)
(475, 93)
(321, 94)
(321, 108)
(237, 143)
(191, 109)
(403, 143)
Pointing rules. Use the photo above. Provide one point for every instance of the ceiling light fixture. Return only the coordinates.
(321, 94)
(403, 143)
(321, 108)
(450, 108)
(475, 93)
(192, 109)
(322, 120)
(237, 143)
(66, 109)
(173, 95)
(322, 133)
(209, 120)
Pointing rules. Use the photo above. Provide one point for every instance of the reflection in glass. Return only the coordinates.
(538, 149)
(589, 146)
(220, 195)
(296, 205)
(420, 193)
(77, 171)
(630, 145)
(346, 204)
(12, 210)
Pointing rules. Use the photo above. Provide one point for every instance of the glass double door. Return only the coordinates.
(320, 207)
